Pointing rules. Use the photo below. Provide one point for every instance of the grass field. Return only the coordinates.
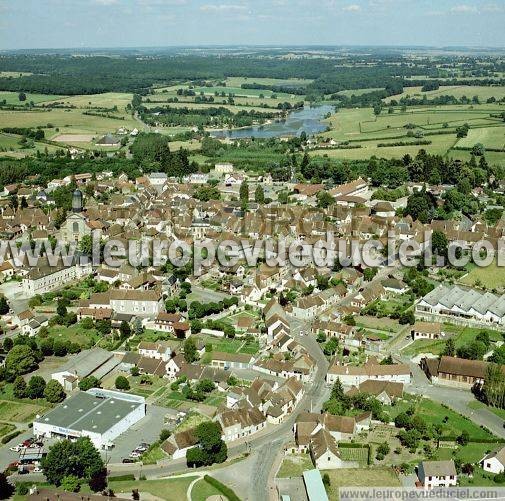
(363, 477)
(13, 98)
(168, 489)
(19, 412)
(451, 422)
(85, 338)
(6, 428)
(490, 277)
(470, 453)
(490, 137)
(457, 91)
(294, 466)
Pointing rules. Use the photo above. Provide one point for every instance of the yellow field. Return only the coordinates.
(13, 98)
(106, 100)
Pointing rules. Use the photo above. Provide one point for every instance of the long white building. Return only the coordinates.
(101, 415)
(446, 302)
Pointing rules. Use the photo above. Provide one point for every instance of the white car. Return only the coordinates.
(16, 448)
(37, 469)
(135, 454)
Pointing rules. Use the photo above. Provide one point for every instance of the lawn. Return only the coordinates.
(152, 456)
(169, 489)
(235, 345)
(363, 477)
(475, 404)
(202, 490)
(85, 338)
(294, 466)
(490, 277)
(359, 454)
(452, 423)
(470, 453)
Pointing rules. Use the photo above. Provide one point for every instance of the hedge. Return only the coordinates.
(119, 478)
(223, 489)
(10, 436)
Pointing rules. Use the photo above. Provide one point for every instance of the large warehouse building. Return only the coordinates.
(101, 415)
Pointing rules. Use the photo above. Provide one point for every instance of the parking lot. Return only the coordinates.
(146, 430)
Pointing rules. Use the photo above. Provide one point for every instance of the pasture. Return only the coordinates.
(13, 98)
(490, 137)
(360, 477)
(458, 91)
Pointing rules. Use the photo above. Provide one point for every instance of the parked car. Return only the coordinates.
(128, 460)
(134, 454)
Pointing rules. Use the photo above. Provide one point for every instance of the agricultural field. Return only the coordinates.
(457, 91)
(377, 135)
(490, 137)
(10, 146)
(19, 412)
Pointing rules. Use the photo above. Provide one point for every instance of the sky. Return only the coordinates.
(27, 24)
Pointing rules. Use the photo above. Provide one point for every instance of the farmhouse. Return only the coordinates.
(102, 415)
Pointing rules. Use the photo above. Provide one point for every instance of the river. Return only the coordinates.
(307, 119)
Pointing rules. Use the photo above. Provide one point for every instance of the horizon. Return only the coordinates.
(123, 24)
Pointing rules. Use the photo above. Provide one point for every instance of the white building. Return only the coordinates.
(223, 168)
(434, 474)
(494, 462)
(45, 278)
(102, 415)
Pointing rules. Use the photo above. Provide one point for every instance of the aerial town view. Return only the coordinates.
(252, 251)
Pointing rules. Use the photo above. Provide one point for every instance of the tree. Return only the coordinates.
(4, 306)
(20, 359)
(61, 308)
(36, 387)
(125, 330)
(210, 449)
(80, 459)
(190, 352)
(89, 382)
(324, 199)
(369, 273)
(439, 243)
(54, 392)
(70, 483)
(450, 348)
(259, 194)
(22, 96)
(464, 438)
(6, 488)
(337, 391)
(122, 383)
(19, 387)
(7, 344)
(244, 192)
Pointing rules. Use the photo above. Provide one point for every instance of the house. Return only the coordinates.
(494, 462)
(426, 330)
(433, 474)
(134, 302)
(222, 360)
(324, 451)
(178, 444)
(223, 168)
(353, 376)
(33, 326)
(384, 391)
(239, 423)
(454, 371)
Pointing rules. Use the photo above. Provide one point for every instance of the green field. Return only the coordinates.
(437, 124)
(168, 489)
(457, 91)
(490, 137)
(363, 477)
(490, 277)
(19, 412)
(295, 465)
(13, 98)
